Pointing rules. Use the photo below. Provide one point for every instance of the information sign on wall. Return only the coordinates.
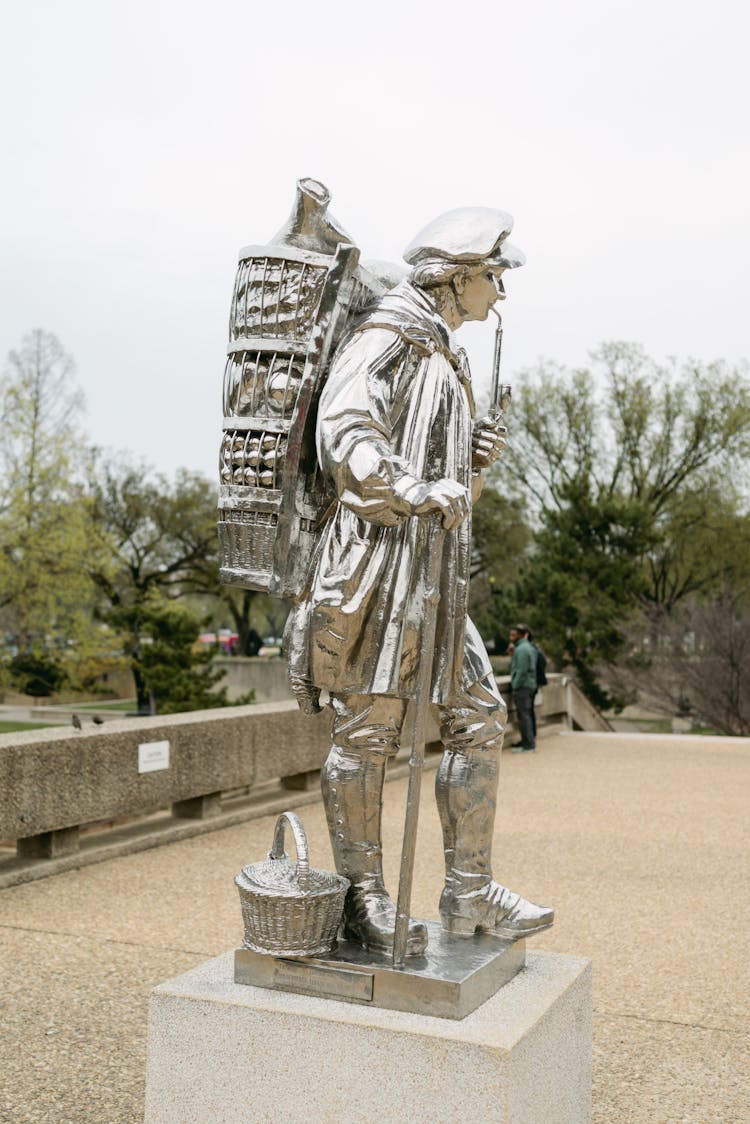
(153, 756)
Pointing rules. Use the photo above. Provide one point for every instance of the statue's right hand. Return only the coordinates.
(445, 497)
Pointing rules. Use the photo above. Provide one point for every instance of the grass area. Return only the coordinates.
(647, 725)
(14, 727)
(661, 726)
(120, 705)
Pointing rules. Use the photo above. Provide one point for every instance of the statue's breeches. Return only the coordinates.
(366, 724)
(371, 724)
(475, 720)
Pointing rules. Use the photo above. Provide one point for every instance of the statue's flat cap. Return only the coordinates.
(467, 234)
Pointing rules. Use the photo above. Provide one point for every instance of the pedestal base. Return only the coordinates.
(453, 978)
(234, 1053)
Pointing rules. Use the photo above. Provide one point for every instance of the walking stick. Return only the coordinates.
(434, 538)
(499, 403)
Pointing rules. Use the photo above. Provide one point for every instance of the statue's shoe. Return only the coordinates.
(492, 909)
(370, 921)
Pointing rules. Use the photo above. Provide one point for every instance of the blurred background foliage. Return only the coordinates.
(634, 478)
(617, 524)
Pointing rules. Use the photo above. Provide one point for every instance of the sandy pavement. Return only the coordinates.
(639, 841)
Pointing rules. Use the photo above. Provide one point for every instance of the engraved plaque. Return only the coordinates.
(329, 983)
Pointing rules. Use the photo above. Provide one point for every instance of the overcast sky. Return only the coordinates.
(144, 143)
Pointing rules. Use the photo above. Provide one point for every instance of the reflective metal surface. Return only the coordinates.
(291, 303)
(382, 605)
(289, 908)
(416, 757)
(450, 981)
(396, 440)
(467, 234)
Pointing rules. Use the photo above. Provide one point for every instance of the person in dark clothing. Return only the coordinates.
(541, 677)
(523, 685)
(253, 643)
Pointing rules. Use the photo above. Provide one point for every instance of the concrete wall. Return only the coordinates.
(53, 782)
(53, 779)
(266, 677)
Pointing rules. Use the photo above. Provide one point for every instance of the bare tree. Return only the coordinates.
(629, 427)
(154, 536)
(43, 513)
(694, 660)
(636, 475)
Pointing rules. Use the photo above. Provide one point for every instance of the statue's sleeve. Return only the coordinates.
(355, 420)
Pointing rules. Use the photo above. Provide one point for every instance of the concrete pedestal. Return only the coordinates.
(228, 1052)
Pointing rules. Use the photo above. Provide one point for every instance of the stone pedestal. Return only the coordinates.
(228, 1052)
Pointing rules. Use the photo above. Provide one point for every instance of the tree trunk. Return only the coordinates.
(143, 695)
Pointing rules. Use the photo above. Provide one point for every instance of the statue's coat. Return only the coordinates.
(396, 409)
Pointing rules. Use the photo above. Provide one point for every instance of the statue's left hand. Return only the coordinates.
(306, 694)
(488, 439)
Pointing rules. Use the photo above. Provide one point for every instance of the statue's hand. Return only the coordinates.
(488, 439)
(445, 497)
(306, 694)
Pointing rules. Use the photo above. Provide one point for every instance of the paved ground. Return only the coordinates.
(639, 841)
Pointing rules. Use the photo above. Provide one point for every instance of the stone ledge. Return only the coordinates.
(162, 828)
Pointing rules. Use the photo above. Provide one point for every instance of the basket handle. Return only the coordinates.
(300, 842)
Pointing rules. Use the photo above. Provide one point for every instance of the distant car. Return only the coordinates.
(225, 638)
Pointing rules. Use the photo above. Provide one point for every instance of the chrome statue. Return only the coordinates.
(380, 617)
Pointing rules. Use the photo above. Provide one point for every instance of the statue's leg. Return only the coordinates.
(466, 785)
(366, 732)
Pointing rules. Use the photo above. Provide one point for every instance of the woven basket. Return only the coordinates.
(287, 908)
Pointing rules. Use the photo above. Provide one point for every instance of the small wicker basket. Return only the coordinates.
(287, 908)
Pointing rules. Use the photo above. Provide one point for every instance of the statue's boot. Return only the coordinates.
(472, 901)
(352, 787)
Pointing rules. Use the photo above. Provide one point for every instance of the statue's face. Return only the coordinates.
(476, 294)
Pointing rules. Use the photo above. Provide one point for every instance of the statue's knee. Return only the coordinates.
(494, 741)
(482, 735)
(367, 725)
(366, 741)
(496, 718)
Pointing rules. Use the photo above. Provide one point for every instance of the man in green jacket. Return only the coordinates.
(523, 685)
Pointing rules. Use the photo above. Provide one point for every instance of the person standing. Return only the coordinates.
(541, 677)
(523, 686)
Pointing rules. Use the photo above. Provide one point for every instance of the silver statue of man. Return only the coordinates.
(397, 439)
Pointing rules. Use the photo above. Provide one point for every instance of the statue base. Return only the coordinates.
(219, 1050)
(450, 981)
